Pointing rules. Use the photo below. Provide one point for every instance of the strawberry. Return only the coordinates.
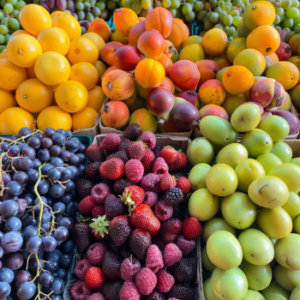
(169, 154)
(148, 160)
(180, 163)
(132, 196)
(87, 204)
(170, 230)
(143, 218)
(191, 228)
(92, 170)
(167, 182)
(82, 234)
(137, 150)
(94, 278)
(112, 169)
(119, 230)
(184, 184)
(100, 227)
(139, 242)
(94, 153)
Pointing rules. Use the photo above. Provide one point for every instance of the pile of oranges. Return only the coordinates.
(49, 74)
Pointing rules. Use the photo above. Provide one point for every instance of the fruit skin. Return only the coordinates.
(213, 110)
(119, 230)
(192, 52)
(87, 205)
(115, 114)
(214, 42)
(179, 33)
(85, 73)
(145, 119)
(200, 151)
(139, 242)
(69, 24)
(112, 169)
(236, 46)
(170, 230)
(274, 290)
(8, 100)
(100, 27)
(197, 176)
(107, 52)
(154, 259)
(286, 278)
(94, 278)
(145, 281)
(124, 20)
(292, 206)
(277, 127)
(82, 236)
(212, 92)
(129, 289)
(135, 32)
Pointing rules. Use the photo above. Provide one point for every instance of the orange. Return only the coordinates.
(23, 50)
(3, 54)
(214, 42)
(237, 80)
(69, 24)
(15, 118)
(96, 38)
(20, 31)
(34, 95)
(11, 76)
(96, 98)
(84, 119)
(84, 73)
(55, 13)
(7, 100)
(71, 96)
(52, 68)
(54, 39)
(34, 18)
(265, 39)
(101, 68)
(54, 117)
(259, 13)
(285, 73)
(30, 73)
(82, 50)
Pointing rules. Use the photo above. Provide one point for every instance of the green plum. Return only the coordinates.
(197, 176)
(269, 161)
(283, 151)
(277, 127)
(208, 293)
(287, 278)
(213, 225)
(295, 295)
(206, 262)
(200, 151)
(296, 161)
(292, 206)
(296, 224)
(253, 295)
(275, 292)
(232, 102)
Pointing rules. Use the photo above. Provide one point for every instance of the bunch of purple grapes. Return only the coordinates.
(37, 210)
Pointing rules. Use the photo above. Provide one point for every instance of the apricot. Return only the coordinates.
(135, 32)
(212, 92)
(208, 69)
(127, 57)
(169, 48)
(213, 110)
(124, 20)
(168, 85)
(179, 34)
(100, 27)
(108, 50)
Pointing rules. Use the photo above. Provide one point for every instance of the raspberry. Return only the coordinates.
(120, 154)
(80, 291)
(120, 185)
(160, 166)
(156, 150)
(173, 196)
(99, 192)
(96, 296)
(165, 281)
(191, 228)
(173, 298)
(163, 211)
(113, 206)
(186, 246)
(151, 183)
(129, 268)
(111, 142)
(129, 291)
(155, 295)
(167, 182)
(150, 198)
(145, 281)
(125, 143)
(96, 253)
(81, 268)
(172, 254)
(148, 160)
(154, 260)
(184, 184)
(98, 211)
(137, 150)
(94, 278)
(132, 132)
(134, 170)
(149, 138)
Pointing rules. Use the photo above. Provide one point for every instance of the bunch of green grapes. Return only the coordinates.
(9, 20)
(287, 16)
(140, 7)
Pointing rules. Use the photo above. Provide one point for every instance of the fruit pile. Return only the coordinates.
(37, 211)
(139, 217)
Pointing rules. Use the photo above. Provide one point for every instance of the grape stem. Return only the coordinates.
(21, 139)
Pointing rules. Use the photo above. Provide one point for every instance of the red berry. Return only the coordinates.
(191, 228)
(80, 291)
(165, 281)
(111, 142)
(169, 154)
(154, 259)
(94, 153)
(148, 160)
(92, 170)
(134, 170)
(87, 205)
(99, 192)
(145, 281)
(160, 166)
(129, 268)
(81, 268)
(151, 198)
(151, 183)
(180, 163)
(137, 150)
(184, 184)
(112, 169)
(163, 211)
(172, 254)
(94, 278)
(149, 138)
(98, 211)
(129, 291)
(167, 182)
(96, 253)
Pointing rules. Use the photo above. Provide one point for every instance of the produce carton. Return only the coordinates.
(106, 130)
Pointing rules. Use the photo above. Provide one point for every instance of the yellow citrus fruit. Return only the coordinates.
(55, 13)
(71, 96)
(96, 38)
(101, 68)
(30, 73)
(33, 95)
(82, 50)
(84, 73)
(52, 68)
(15, 118)
(23, 50)
(96, 98)
(214, 42)
(11, 76)
(20, 31)
(69, 24)
(34, 18)
(54, 39)
(7, 100)
(84, 119)
(54, 117)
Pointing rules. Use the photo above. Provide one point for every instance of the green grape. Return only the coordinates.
(286, 29)
(209, 14)
(218, 26)
(79, 6)
(15, 12)
(89, 17)
(93, 2)
(292, 12)
(191, 1)
(226, 28)
(187, 8)
(279, 11)
(20, 5)
(286, 4)
(199, 6)
(4, 21)
(3, 29)
(7, 38)
(166, 3)
(289, 36)
(201, 15)
(37, 1)
(190, 17)
(207, 6)
(111, 4)
(214, 17)
(2, 39)
(231, 30)
(83, 30)
(295, 3)
(12, 2)
(8, 8)
(234, 13)
(105, 1)
(14, 24)
(220, 3)
(278, 28)
(202, 33)
(218, 10)
(128, 4)
(100, 5)
(236, 2)
(282, 18)
(236, 20)
(226, 8)
(227, 20)
(173, 11)
(2, 2)
(176, 3)
(297, 20)
(81, 15)
(96, 11)
(1, 15)
(223, 14)
(297, 28)
(147, 4)
(137, 7)
(288, 22)
(2, 48)
(213, 2)
(208, 25)
(86, 4)
(276, 20)
(235, 35)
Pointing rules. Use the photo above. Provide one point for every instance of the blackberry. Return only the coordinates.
(92, 170)
(132, 132)
(185, 269)
(120, 185)
(111, 265)
(155, 295)
(173, 196)
(178, 211)
(83, 187)
(120, 154)
(157, 150)
(113, 206)
(182, 292)
(111, 289)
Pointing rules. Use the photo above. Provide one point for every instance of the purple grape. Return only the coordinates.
(46, 168)
(29, 152)
(13, 224)
(82, 158)
(54, 174)
(43, 187)
(4, 146)
(61, 234)
(5, 289)
(1, 235)
(46, 143)
(26, 163)
(1, 252)
(66, 174)
(48, 132)
(62, 274)
(58, 139)
(71, 146)
(46, 278)
(21, 177)
(9, 208)
(29, 220)
(34, 142)
(56, 254)
(57, 286)
(14, 151)
(33, 176)
(49, 243)
(71, 208)
(61, 5)
(45, 226)
(52, 265)
(57, 162)
(69, 246)
(22, 204)
(66, 155)
(22, 146)
(65, 261)
(66, 198)
(59, 207)
(38, 135)
(33, 265)
(43, 155)
(43, 4)
(7, 275)
(81, 169)
(75, 172)
(34, 244)
(14, 188)
(14, 261)
(7, 164)
(21, 277)
(70, 186)
(75, 160)
(55, 150)
(29, 198)
(81, 148)
(12, 241)
(26, 290)
(85, 24)
(62, 131)
(56, 191)
(46, 216)
(6, 178)
(36, 163)
(24, 131)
